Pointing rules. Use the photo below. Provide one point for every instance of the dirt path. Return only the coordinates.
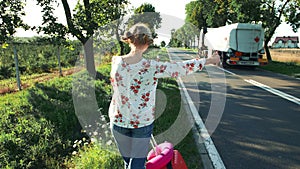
(31, 82)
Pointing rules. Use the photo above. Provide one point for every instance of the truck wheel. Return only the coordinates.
(223, 61)
(224, 64)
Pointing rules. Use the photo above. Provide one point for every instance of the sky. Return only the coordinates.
(173, 12)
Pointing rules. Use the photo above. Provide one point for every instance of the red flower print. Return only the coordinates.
(146, 64)
(175, 74)
(135, 86)
(160, 69)
(135, 123)
(190, 67)
(118, 77)
(111, 79)
(124, 99)
(136, 116)
(155, 79)
(200, 66)
(143, 71)
(145, 98)
(118, 117)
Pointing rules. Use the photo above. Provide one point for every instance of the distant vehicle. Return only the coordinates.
(237, 44)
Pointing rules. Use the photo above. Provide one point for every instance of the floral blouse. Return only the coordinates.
(134, 88)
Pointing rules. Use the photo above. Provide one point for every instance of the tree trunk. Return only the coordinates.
(268, 54)
(122, 47)
(17, 68)
(59, 62)
(89, 57)
(122, 52)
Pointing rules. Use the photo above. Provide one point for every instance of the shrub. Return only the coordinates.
(39, 125)
(5, 72)
(94, 156)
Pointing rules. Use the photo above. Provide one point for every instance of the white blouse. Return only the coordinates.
(134, 88)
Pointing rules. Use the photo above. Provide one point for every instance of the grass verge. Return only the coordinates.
(39, 127)
(288, 68)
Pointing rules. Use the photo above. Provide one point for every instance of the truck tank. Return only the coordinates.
(237, 44)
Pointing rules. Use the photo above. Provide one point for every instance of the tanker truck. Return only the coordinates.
(237, 44)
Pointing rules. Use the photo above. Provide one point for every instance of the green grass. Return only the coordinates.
(290, 68)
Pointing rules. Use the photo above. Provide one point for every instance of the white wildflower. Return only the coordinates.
(93, 140)
(109, 142)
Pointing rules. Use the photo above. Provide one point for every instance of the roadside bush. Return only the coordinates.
(27, 139)
(38, 126)
(94, 156)
(5, 72)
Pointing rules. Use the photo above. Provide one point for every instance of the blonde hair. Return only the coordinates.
(138, 34)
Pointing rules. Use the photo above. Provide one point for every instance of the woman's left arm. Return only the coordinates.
(176, 69)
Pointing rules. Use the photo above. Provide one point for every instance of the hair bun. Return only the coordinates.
(138, 34)
(128, 34)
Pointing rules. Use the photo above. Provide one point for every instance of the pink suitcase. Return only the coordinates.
(163, 156)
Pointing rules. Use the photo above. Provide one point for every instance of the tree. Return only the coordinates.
(162, 43)
(10, 18)
(195, 15)
(146, 14)
(186, 34)
(207, 13)
(216, 12)
(271, 13)
(274, 13)
(174, 42)
(87, 18)
(237, 12)
(293, 15)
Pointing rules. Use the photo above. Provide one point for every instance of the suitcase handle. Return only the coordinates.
(154, 145)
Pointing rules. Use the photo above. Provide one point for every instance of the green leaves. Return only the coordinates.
(292, 14)
(146, 14)
(10, 16)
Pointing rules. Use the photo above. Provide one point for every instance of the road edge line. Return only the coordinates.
(201, 132)
(212, 151)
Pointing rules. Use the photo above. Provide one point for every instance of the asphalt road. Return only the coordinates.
(259, 126)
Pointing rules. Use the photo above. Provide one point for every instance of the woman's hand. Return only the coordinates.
(214, 59)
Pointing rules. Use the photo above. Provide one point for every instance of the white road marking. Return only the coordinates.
(269, 89)
(211, 149)
(227, 71)
(274, 91)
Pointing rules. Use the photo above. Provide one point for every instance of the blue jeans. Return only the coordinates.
(133, 145)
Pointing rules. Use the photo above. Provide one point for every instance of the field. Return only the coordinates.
(284, 61)
(286, 55)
